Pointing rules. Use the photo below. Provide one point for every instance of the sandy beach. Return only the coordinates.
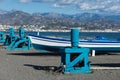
(34, 65)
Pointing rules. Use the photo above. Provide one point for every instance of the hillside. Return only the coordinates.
(59, 21)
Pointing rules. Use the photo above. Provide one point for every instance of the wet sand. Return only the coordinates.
(33, 65)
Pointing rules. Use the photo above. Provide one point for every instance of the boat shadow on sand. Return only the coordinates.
(54, 54)
(106, 64)
(35, 54)
(46, 68)
(59, 69)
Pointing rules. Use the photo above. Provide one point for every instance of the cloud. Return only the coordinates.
(113, 9)
(97, 5)
(44, 0)
(25, 1)
(86, 5)
(58, 6)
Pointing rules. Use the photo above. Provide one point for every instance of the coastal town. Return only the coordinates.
(36, 28)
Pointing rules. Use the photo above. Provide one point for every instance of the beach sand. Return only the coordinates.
(34, 65)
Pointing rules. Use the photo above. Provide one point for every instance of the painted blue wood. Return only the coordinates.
(20, 42)
(2, 40)
(69, 65)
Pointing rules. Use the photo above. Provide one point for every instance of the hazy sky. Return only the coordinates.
(62, 6)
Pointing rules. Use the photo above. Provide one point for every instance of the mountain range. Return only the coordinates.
(57, 20)
(80, 16)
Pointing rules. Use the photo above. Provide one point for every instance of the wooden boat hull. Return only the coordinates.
(56, 44)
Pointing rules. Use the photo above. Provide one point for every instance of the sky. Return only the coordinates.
(62, 6)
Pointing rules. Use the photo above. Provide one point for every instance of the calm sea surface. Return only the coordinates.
(83, 35)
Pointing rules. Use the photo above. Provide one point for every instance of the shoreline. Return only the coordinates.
(69, 31)
(38, 30)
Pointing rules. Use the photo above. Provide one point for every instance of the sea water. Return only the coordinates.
(82, 35)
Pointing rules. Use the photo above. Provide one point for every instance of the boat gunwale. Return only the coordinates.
(68, 40)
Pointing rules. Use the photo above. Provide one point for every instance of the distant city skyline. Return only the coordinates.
(62, 6)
